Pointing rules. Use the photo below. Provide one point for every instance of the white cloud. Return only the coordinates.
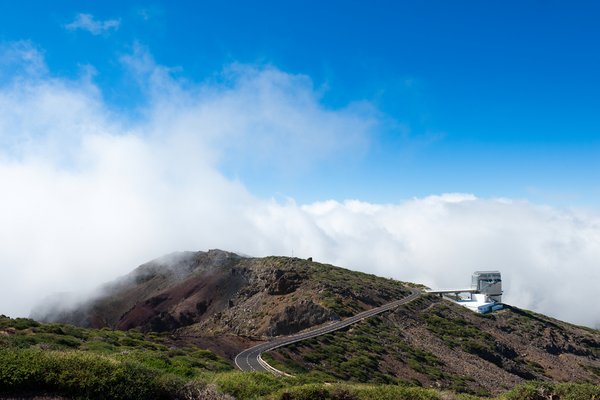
(548, 256)
(87, 22)
(87, 195)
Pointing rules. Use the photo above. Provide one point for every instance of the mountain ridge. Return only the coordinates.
(225, 302)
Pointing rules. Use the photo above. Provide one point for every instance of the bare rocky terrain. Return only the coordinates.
(225, 301)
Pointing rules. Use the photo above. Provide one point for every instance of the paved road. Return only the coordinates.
(250, 359)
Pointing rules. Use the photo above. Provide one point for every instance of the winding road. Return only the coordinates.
(250, 359)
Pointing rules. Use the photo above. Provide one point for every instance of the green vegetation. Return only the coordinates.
(342, 391)
(97, 363)
(343, 291)
(55, 359)
(250, 385)
(357, 354)
(345, 355)
(152, 350)
(544, 390)
(82, 375)
(346, 288)
(457, 332)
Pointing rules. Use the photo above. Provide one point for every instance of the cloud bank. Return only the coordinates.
(88, 192)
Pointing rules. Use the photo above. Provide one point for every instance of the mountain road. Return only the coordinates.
(250, 359)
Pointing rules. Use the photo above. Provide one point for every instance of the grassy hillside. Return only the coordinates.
(72, 361)
(434, 343)
(61, 360)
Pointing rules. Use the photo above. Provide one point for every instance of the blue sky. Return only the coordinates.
(499, 99)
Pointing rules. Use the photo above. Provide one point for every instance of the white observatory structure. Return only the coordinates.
(488, 283)
(484, 296)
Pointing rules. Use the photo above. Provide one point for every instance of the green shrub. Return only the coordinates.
(306, 392)
(355, 392)
(390, 392)
(544, 390)
(24, 323)
(248, 385)
(80, 375)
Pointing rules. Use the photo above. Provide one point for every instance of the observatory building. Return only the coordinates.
(484, 295)
(488, 283)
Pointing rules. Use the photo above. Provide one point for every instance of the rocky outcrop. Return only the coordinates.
(283, 282)
(299, 316)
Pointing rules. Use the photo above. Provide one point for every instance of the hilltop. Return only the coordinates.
(224, 302)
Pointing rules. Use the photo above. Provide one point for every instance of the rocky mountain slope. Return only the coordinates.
(435, 343)
(224, 302)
